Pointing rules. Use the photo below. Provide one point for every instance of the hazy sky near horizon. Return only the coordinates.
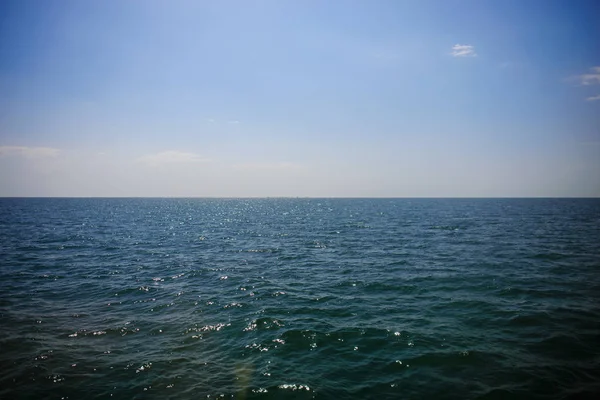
(300, 98)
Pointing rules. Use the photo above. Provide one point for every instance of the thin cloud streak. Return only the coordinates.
(593, 98)
(463, 50)
(591, 78)
(28, 152)
(172, 157)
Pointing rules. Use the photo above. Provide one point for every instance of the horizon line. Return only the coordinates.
(299, 197)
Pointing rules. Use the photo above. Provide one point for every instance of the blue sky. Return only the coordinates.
(300, 98)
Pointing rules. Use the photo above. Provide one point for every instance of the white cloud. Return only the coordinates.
(593, 98)
(172, 157)
(463, 50)
(591, 78)
(233, 121)
(28, 152)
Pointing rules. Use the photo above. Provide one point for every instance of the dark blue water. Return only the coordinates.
(299, 298)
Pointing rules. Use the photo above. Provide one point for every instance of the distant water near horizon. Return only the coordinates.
(299, 298)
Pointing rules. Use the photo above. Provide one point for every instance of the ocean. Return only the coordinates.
(299, 298)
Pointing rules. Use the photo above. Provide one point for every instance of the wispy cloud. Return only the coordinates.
(233, 122)
(172, 157)
(28, 152)
(591, 78)
(463, 50)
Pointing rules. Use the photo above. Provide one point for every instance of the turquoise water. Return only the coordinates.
(299, 298)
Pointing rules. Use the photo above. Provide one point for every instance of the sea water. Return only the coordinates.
(299, 298)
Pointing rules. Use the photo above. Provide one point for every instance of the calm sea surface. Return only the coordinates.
(300, 298)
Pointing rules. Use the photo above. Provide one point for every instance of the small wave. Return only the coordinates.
(294, 387)
(206, 328)
(397, 288)
(264, 323)
(262, 250)
(445, 227)
(549, 256)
